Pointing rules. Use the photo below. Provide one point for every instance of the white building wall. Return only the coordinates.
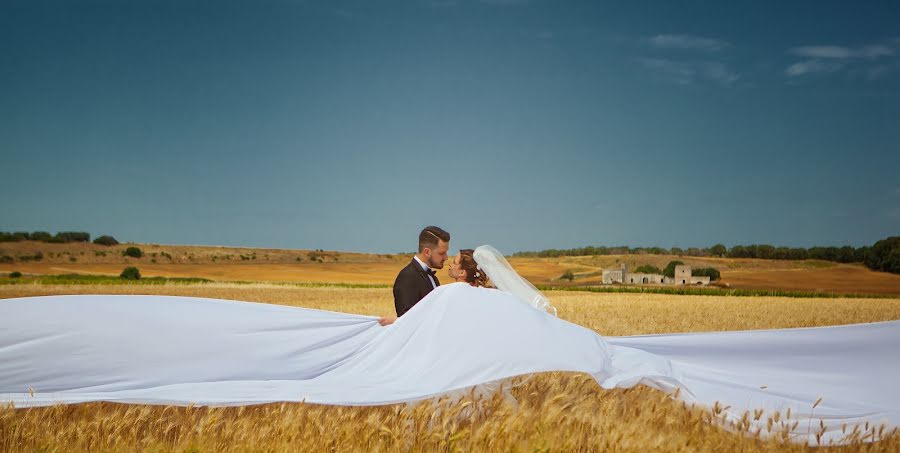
(699, 280)
(644, 279)
(611, 276)
(682, 274)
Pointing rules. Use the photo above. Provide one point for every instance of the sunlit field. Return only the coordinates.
(283, 265)
(554, 411)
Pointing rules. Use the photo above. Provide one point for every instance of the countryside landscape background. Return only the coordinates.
(565, 411)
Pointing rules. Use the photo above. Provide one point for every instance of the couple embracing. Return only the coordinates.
(474, 267)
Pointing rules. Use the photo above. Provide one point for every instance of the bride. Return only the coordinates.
(464, 268)
(188, 350)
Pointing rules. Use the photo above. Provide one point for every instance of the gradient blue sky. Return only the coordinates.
(523, 124)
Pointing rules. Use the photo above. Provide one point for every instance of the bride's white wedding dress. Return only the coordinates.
(183, 350)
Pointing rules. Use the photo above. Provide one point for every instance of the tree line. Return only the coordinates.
(62, 237)
(884, 255)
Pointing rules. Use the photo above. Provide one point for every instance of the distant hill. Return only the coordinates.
(267, 264)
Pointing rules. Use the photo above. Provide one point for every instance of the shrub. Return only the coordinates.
(568, 275)
(106, 240)
(36, 257)
(710, 272)
(73, 259)
(130, 273)
(648, 269)
(133, 252)
(6, 259)
(15, 274)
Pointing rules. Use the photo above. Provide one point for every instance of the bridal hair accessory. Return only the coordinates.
(505, 278)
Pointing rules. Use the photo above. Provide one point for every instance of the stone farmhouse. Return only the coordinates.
(622, 276)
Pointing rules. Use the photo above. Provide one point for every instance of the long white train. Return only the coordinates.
(183, 350)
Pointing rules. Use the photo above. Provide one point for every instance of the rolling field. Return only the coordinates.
(277, 265)
(556, 411)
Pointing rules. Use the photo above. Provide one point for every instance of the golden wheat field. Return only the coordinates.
(555, 411)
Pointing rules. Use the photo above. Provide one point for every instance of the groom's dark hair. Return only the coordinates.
(429, 236)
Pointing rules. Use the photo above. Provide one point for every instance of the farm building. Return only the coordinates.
(682, 277)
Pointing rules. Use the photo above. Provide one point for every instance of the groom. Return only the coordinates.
(417, 279)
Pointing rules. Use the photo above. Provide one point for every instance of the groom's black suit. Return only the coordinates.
(411, 285)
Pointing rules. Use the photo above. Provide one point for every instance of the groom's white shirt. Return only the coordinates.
(425, 268)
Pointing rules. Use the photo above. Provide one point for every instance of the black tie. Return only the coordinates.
(431, 272)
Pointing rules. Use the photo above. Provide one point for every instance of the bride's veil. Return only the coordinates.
(495, 266)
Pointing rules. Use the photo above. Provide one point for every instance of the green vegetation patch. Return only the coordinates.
(78, 279)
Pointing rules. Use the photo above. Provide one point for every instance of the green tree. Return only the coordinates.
(885, 255)
(648, 269)
(73, 236)
(718, 250)
(710, 272)
(42, 236)
(669, 271)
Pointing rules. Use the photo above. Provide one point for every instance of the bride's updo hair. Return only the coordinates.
(474, 276)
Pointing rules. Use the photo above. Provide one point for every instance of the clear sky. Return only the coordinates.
(350, 125)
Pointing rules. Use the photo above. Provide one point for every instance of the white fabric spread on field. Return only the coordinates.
(182, 350)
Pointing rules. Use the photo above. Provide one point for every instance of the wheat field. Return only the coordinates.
(553, 412)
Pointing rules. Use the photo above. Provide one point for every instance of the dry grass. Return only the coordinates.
(556, 411)
(559, 412)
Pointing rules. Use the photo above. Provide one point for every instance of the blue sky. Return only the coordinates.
(523, 124)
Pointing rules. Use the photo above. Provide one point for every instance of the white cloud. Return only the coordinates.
(866, 61)
(842, 53)
(690, 72)
(687, 42)
(812, 66)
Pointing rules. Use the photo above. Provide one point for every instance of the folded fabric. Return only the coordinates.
(185, 350)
